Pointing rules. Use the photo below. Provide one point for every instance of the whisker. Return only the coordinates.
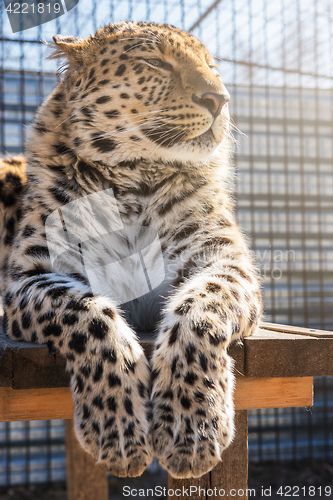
(180, 134)
(236, 129)
(76, 100)
(71, 116)
(139, 45)
(156, 127)
(169, 132)
(172, 140)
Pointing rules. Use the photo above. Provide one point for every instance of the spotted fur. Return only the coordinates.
(12, 185)
(135, 113)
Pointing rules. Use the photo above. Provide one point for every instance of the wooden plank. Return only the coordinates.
(291, 352)
(231, 475)
(280, 354)
(6, 366)
(34, 368)
(255, 393)
(35, 404)
(297, 330)
(85, 479)
(44, 404)
(25, 365)
(237, 352)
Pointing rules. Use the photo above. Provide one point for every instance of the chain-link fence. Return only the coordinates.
(276, 59)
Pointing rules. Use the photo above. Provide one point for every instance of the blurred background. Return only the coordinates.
(276, 59)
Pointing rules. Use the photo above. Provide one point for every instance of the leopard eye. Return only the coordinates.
(158, 63)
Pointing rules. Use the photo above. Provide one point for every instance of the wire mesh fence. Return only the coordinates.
(32, 452)
(276, 59)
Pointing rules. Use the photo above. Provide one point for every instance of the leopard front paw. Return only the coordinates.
(112, 407)
(192, 409)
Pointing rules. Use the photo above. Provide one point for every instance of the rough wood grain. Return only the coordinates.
(278, 392)
(279, 354)
(24, 365)
(6, 366)
(35, 404)
(231, 475)
(85, 479)
(44, 404)
(34, 368)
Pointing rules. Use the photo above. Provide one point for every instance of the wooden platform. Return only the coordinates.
(274, 368)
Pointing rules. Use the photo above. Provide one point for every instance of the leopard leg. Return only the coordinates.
(192, 372)
(109, 371)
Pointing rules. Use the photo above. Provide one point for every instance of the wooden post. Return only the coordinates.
(85, 479)
(230, 474)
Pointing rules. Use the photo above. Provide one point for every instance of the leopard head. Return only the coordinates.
(141, 90)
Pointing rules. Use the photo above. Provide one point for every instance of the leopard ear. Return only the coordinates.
(60, 39)
(71, 47)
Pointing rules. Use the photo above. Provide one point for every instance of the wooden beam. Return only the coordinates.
(256, 393)
(296, 352)
(24, 365)
(250, 393)
(85, 479)
(273, 351)
(35, 404)
(231, 475)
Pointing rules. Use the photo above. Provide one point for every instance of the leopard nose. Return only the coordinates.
(211, 101)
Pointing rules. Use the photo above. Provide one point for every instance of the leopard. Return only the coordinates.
(140, 113)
